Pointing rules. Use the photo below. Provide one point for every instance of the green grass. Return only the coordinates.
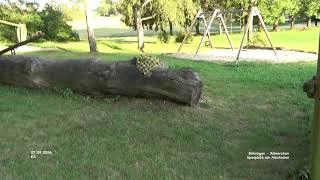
(294, 40)
(248, 107)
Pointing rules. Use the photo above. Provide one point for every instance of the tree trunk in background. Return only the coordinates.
(98, 78)
(171, 28)
(243, 21)
(198, 27)
(275, 26)
(250, 30)
(316, 22)
(220, 27)
(308, 21)
(90, 32)
(293, 20)
(140, 33)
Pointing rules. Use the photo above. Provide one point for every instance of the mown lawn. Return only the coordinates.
(247, 107)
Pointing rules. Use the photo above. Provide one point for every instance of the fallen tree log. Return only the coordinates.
(100, 78)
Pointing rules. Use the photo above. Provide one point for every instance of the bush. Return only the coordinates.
(50, 21)
(164, 37)
(67, 93)
(257, 40)
(180, 36)
(55, 27)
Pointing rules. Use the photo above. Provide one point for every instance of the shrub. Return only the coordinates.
(67, 93)
(180, 36)
(164, 37)
(50, 21)
(55, 27)
(257, 40)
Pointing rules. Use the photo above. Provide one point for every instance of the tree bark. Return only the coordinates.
(198, 27)
(140, 33)
(293, 20)
(171, 28)
(98, 78)
(308, 21)
(91, 36)
(276, 25)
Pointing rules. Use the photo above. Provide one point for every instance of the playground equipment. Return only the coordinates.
(255, 12)
(12, 48)
(216, 14)
(21, 30)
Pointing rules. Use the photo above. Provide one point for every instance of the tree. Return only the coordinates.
(310, 8)
(49, 20)
(103, 8)
(135, 15)
(70, 10)
(85, 5)
(163, 14)
(90, 32)
(293, 11)
(274, 11)
(107, 8)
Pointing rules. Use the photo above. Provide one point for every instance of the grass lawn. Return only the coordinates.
(249, 107)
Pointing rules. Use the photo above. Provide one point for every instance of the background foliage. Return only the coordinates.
(50, 20)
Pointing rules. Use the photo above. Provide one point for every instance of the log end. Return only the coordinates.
(192, 78)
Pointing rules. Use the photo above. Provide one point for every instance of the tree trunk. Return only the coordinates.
(276, 25)
(316, 21)
(140, 33)
(98, 78)
(308, 21)
(198, 27)
(293, 20)
(171, 28)
(250, 30)
(91, 36)
(220, 28)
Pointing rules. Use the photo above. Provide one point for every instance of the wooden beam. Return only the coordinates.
(189, 29)
(226, 30)
(266, 31)
(255, 12)
(9, 23)
(206, 27)
(207, 30)
(315, 142)
(13, 47)
(245, 34)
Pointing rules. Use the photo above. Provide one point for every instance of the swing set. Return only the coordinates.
(218, 14)
(22, 37)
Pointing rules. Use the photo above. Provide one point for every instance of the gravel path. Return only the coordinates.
(256, 55)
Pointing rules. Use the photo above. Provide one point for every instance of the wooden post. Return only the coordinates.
(245, 34)
(33, 38)
(226, 30)
(315, 142)
(266, 32)
(255, 12)
(207, 30)
(189, 30)
(206, 27)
